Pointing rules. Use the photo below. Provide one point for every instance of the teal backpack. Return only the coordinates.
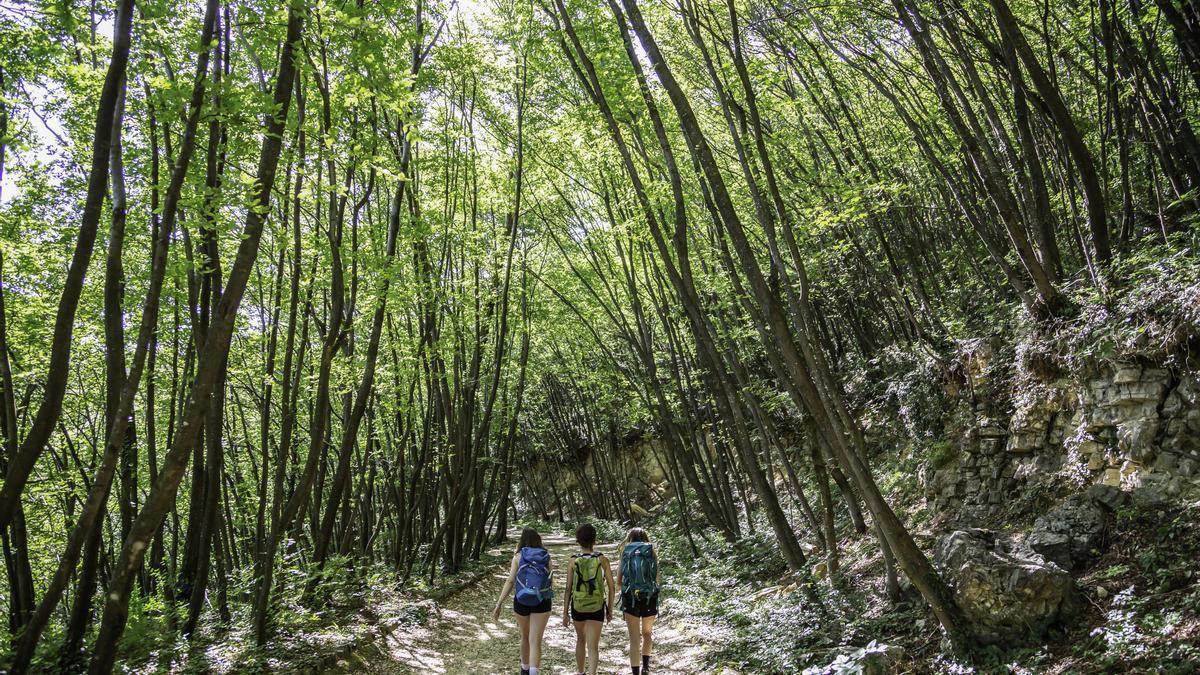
(639, 571)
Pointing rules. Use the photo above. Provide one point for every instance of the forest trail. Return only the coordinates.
(462, 637)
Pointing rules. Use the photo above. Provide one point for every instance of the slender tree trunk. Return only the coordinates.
(22, 462)
(1089, 178)
(88, 524)
(162, 495)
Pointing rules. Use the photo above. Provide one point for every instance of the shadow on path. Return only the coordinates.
(462, 637)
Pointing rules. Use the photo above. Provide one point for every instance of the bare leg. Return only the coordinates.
(523, 625)
(537, 628)
(581, 645)
(634, 625)
(647, 639)
(593, 629)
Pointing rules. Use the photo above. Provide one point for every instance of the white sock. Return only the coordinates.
(524, 666)
(533, 670)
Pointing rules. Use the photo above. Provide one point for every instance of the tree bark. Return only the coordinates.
(22, 462)
(162, 495)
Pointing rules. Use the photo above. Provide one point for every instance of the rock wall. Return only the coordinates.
(639, 464)
(1122, 425)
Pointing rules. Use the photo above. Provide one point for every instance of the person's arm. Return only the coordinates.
(621, 559)
(508, 584)
(608, 578)
(567, 593)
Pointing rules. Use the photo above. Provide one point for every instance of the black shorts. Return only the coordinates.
(641, 607)
(526, 610)
(577, 615)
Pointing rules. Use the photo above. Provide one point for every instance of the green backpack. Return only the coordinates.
(588, 595)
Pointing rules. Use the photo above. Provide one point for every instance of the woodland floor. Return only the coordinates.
(460, 636)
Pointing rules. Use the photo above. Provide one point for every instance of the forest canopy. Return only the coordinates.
(303, 289)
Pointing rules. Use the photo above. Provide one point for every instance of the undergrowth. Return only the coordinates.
(349, 607)
(1142, 610)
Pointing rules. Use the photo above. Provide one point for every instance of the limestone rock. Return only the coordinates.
(1166, 463)
(1136, 438)
(991, 429)
(1186, 467)
(1155, 491)
(1108, 496)
(1138, 391)
(1127, 373)
(1130, 471)
(820, 571)
(1026, 441)
(1121, 427)
(1010, 594)
(1070, 533)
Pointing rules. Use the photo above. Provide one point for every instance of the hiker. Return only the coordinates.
(639, 581)
(531, 575)
(586, 602)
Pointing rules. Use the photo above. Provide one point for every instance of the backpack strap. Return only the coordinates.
(595, 580)
(579, 580)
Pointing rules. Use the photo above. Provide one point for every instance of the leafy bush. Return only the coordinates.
(852, 663)
(941, 453)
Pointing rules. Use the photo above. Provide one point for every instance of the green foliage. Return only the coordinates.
(149, 633)
(852, 663)
(547, 293)
(1147, 314)
(737, 591)
(941, 453)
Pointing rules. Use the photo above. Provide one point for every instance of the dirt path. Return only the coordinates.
(462, 637)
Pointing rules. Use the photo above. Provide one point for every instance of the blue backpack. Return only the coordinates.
(533, 577)
(639, 570)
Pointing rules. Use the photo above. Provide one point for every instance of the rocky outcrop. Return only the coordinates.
(641, 458)
(1072, 533)
(1010, 594)
(1123, 425)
